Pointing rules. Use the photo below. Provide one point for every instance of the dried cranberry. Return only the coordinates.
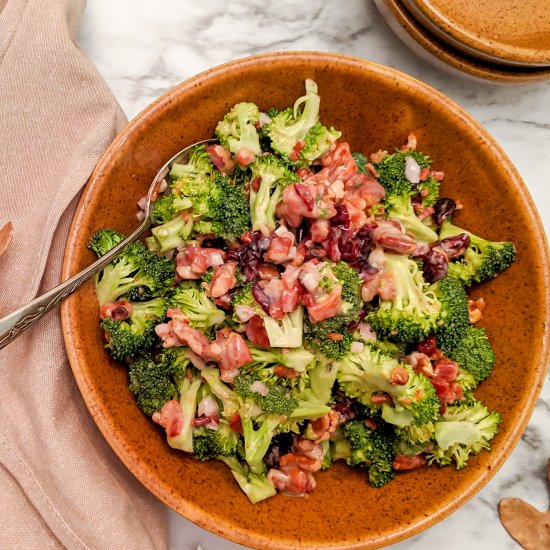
(341, 219)
(214, 243)
(456, 246)
(428, 346)
(435, 266)
(443, 208)
(347, 409)
(260, 296)
(249, 255)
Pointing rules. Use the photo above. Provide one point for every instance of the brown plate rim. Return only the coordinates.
(485, 45)
(455, 60)
(92, 397)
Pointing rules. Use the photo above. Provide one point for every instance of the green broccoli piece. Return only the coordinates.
(197, 307)
(321, 379)
(482, 260)
(453, 319)
(237, 130)
(249, 385)
(229, 399)
(191, 179)
(318, 141)
(209, 443)
(171, 234)
(416, 436)
(188, 389)
(474, 354)
(292, 125)
(296, 359)
(167, 207)
(244, 297)
(400, 208)
(363, 375)
(413, 313)
(273, 177)
(373, 449)
(287, 333)
(256, 487)
(136, 272)
(136, 334)
(463, 431)
(104, 240)
(317, 334)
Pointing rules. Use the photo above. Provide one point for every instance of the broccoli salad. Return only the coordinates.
(298, 304)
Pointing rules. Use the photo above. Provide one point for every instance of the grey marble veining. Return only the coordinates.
(143, 48)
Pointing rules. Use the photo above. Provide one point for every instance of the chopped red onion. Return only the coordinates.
(244, 313)
(366, 332)
(140, 215)
(263, 120)
(259, 387)
(208, 406)
(162, 187)
(412, 170)
(357, 347)
(142, 203)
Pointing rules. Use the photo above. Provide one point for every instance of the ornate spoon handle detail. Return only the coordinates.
(18, 321)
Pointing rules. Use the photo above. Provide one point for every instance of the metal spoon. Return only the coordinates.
(12, 325)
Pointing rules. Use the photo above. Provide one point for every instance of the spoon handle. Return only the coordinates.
(21, 319)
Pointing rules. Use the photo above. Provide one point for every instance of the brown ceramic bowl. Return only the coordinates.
(443, 56)
(375, 107)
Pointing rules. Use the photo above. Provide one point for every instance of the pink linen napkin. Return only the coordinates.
(60, 483)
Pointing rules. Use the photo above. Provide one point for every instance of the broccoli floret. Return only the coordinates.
(362, 375)
(453, 316)
(171, 234)
(136, 334)
(104, 240)
(135, 272)
(463, 430)
(287, 333)
(391, 174)
(151, 383)
(321, 379)
(273, 177)
(373, 449)
(228, 213)
(209, 443)
(291, 125)
(256, 487)
(318, 141)
(331, 336)
(228, 398)
(482, 260)
(244, 297)
(474, 354)
(191, 178)
(416, 436)
(197, 307)
(237, 130)
(296, 359)
(165, 208)
(414, 311)
(188, 389)
(400, 208)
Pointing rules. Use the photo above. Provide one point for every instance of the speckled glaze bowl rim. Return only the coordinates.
(408, 29)
(92, 396)
(482, 44)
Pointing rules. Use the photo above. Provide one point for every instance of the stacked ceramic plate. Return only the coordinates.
(497, 40)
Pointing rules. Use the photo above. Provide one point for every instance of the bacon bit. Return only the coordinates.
(437, 175)
(410, 145)
(193, 261)
(335, 336)
(372, 170)
(6, 234)
(170, 417)
(475, 310)
(381, 399)
(420, 363)
(399, 376)
(285, 372)
(340, 163)
(281, 249)
(378, 156)
(424, 173)
(220, 158)
(329, 307)
(235, 423)
(223, 279)
(295, 154)
(403, 462)
(370, 424)
(244, 157)
(401, 245)
(444, 382)
(118, 311)
(231, 353)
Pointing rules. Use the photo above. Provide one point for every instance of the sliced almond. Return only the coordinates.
(526, 524)
(6, 234)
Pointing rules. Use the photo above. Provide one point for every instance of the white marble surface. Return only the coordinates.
(143, 48)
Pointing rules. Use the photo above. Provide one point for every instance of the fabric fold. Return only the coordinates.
(59, 479)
